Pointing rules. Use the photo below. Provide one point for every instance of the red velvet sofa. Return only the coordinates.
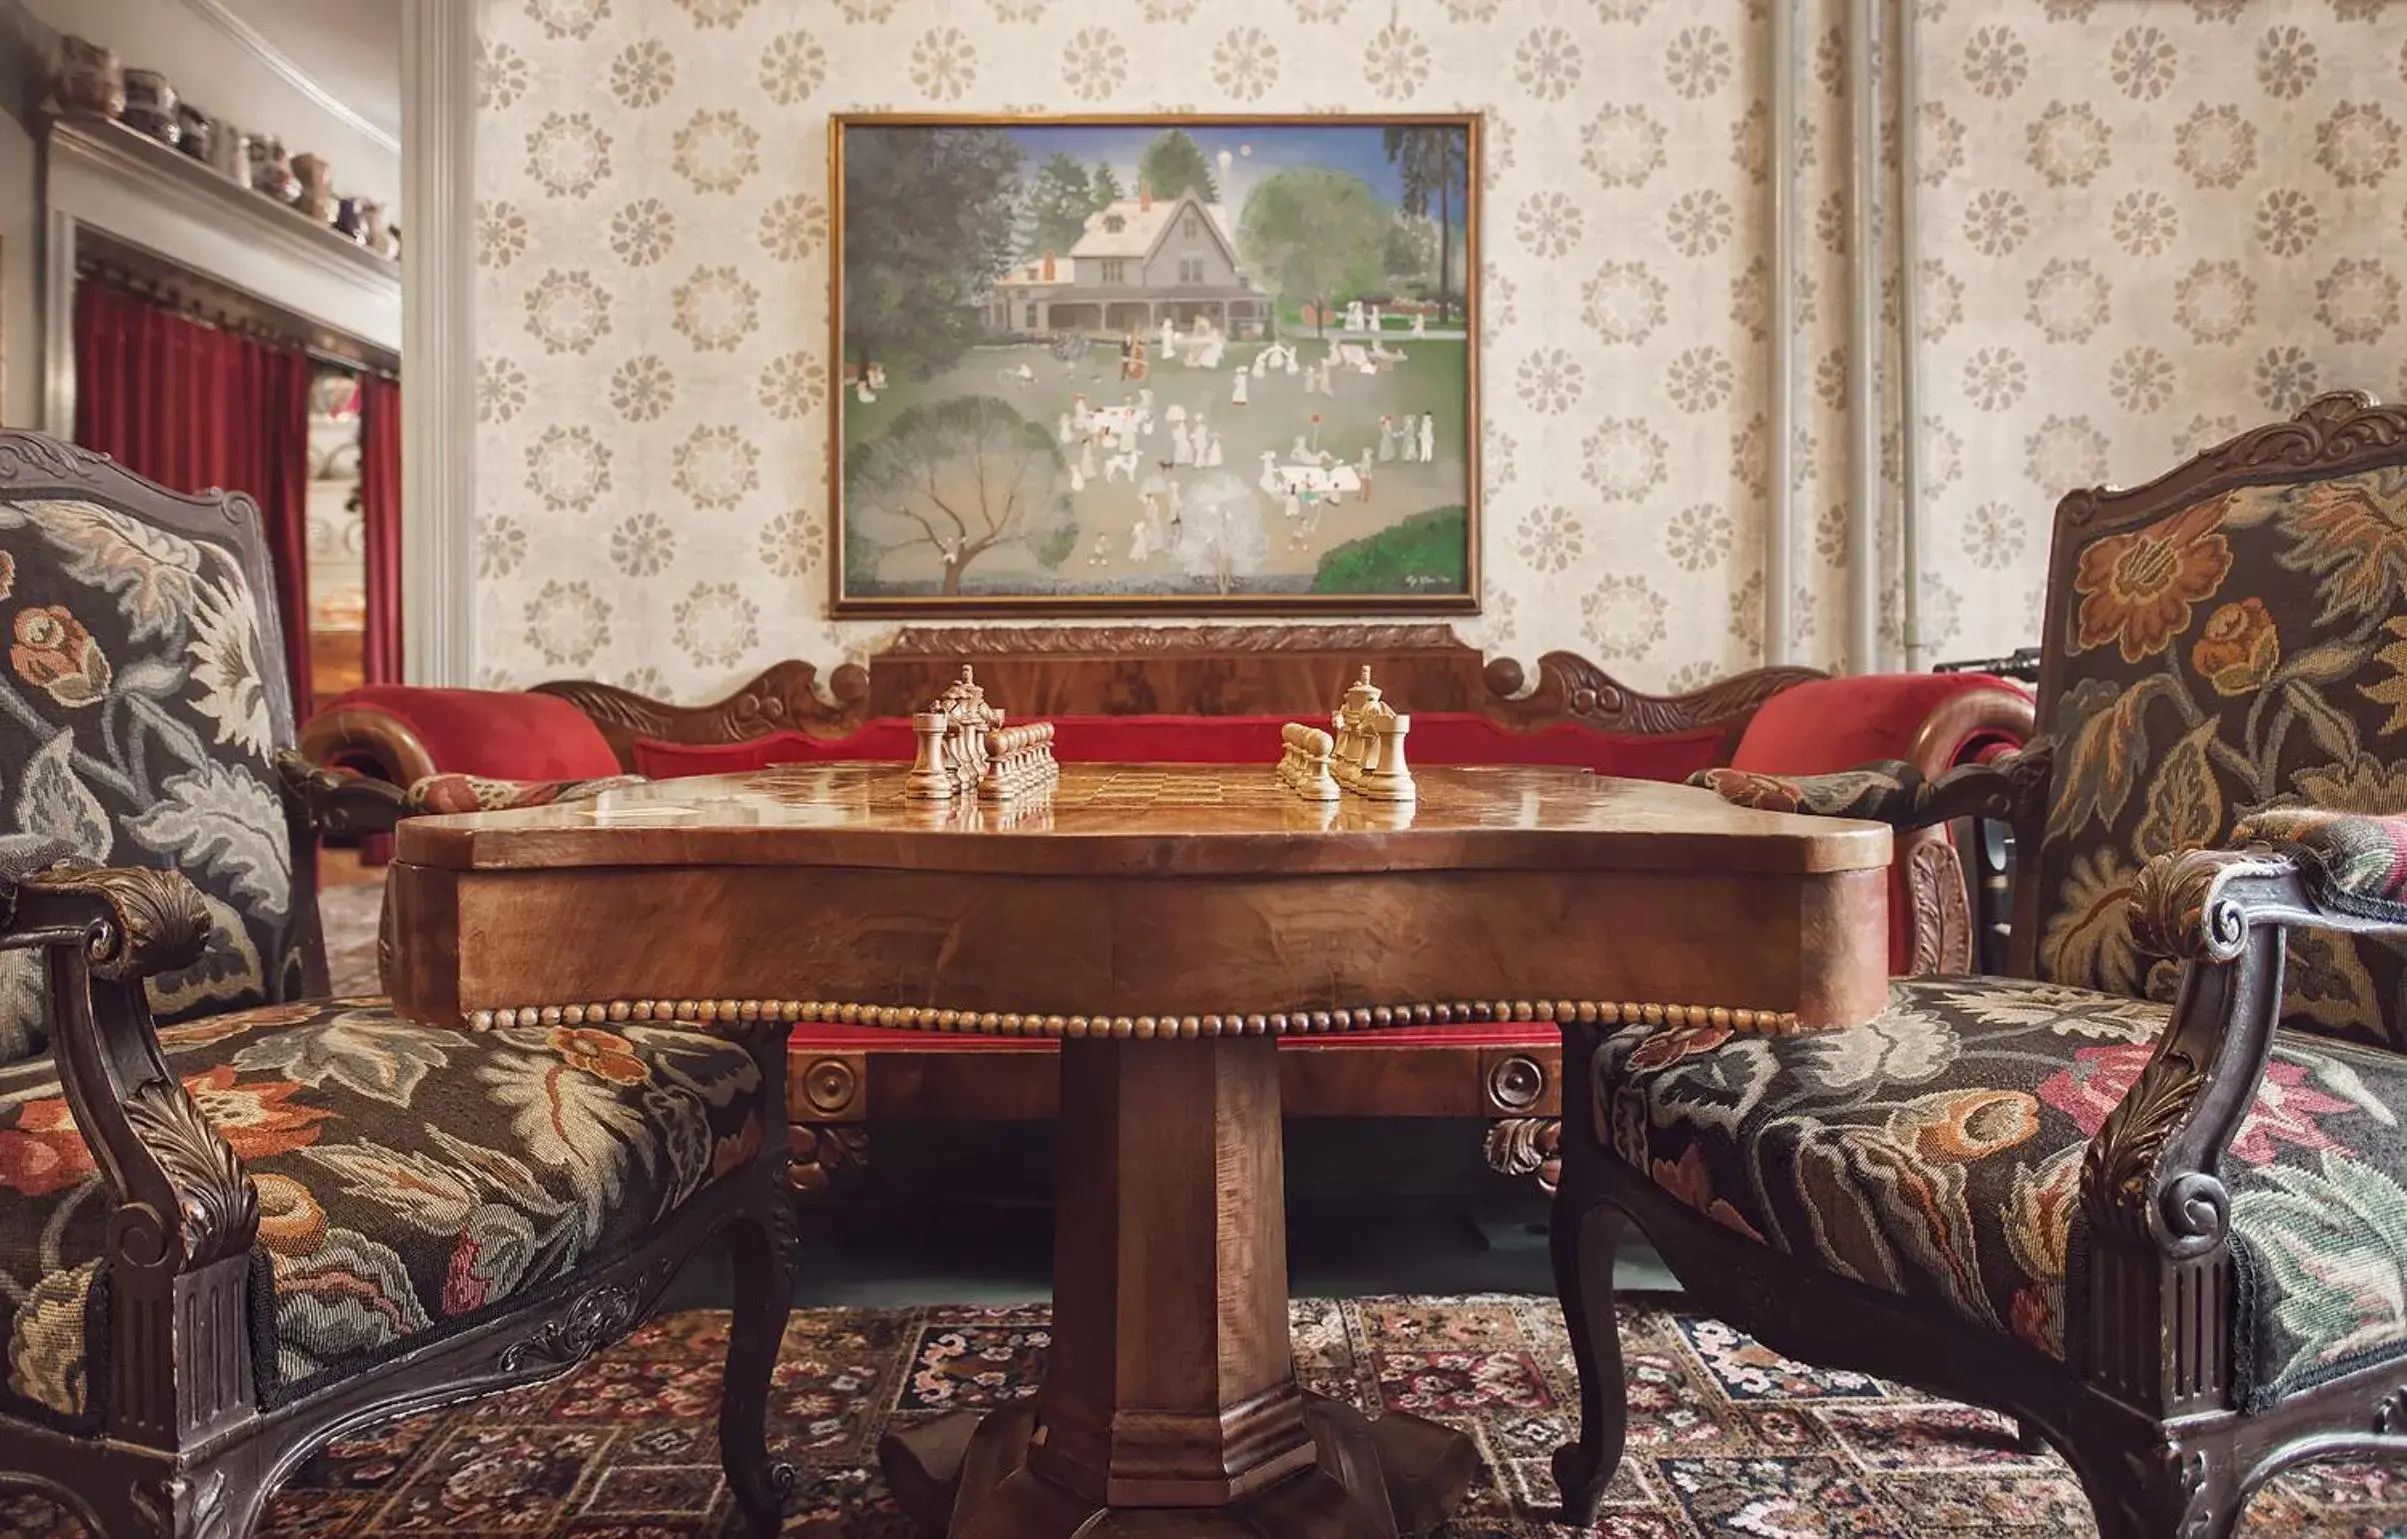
(1215, 695)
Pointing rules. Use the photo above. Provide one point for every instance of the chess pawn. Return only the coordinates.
(931, 777)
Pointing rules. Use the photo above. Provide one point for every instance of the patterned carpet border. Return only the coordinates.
(1725, 1437)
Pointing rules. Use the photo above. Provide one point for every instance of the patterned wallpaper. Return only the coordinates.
(2144, 227)
(2143, 222)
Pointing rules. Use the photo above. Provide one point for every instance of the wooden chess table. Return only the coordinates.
(1169, 924)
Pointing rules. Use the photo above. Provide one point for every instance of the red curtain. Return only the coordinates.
(380, 504)
(196, 408)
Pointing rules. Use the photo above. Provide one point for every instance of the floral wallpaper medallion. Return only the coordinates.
(2152, 224)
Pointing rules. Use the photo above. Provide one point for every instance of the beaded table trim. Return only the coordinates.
(998, 1023)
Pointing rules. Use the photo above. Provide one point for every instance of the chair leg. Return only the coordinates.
(761, 1248)
(1583, 1244)
(2155, 1489)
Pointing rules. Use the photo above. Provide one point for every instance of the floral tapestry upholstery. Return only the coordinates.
(2244, 653)
(136, 727)
(412, 1180)
(2356, 864)
(1936, 1152)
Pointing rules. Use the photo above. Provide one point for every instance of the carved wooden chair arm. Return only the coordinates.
(341, 801)
(2153, 1174)
(127, 922)
(485, 793)
(2012, 787)
(183, 1198)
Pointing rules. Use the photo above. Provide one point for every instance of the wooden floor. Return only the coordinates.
(341, 868)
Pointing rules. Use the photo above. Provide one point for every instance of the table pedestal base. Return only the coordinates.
(966, 1476)
(1170, 1404)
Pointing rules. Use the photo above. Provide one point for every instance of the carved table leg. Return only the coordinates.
(1170, 1387)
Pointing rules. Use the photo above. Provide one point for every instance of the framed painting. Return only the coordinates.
(1155, 364)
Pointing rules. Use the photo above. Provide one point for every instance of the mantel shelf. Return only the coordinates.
(128, 185)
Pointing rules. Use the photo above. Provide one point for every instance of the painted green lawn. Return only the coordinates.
(1427, 545)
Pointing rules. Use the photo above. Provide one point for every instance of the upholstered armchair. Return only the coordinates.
(2147, 1195)
(238, 1220)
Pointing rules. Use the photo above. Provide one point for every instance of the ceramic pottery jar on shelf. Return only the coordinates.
(150, 105)
(271, 173)
(229, 152)
(88, 79)
(315, 194)
(198, 131)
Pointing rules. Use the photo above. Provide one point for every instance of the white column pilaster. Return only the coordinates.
(438, 354)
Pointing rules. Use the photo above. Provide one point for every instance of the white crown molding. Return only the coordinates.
(104, 175)
(252, 41)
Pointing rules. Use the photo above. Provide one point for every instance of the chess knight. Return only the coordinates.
(965, 749)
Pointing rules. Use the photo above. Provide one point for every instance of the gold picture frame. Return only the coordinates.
(1154, 364)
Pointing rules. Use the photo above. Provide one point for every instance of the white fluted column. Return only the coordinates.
(438, 329)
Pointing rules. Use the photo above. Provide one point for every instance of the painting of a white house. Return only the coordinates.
(1213, 364)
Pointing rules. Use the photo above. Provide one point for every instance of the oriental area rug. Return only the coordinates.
(1725, 1437)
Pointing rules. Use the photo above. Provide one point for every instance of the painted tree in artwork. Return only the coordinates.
(1435, 164)
(1221, 537)
(1107, 185)
(1173, 165)
(1318, 236)
(930, 221)
(956, 479)
(1060, 198)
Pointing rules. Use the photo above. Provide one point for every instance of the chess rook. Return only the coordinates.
(1370, 733)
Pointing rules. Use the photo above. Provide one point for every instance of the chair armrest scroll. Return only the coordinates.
(127, 921)
(183, 1197)
(341, 801)
(485, 793)
(2012, 787)
(2153, 1174)
(2354, 864)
